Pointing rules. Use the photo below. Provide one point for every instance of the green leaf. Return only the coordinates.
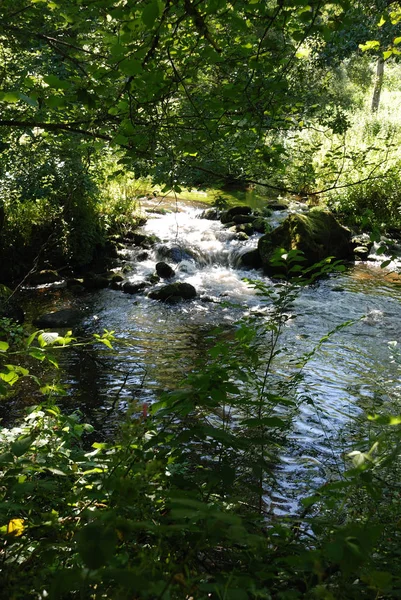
(21, 445)
(96, 544)
(55, 82)
(29, 100)
(151, 12)
(37, 353)
(4, 346)
(10, 97)
(131, 67)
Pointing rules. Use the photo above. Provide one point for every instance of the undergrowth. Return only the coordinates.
(178, 505)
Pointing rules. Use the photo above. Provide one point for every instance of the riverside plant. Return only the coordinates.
(177, 505)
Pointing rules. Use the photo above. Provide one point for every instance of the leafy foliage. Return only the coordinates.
(188, 90)
(178, 504)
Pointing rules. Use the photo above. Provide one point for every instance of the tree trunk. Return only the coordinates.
(378, 84)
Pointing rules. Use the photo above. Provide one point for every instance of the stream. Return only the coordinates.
(159, 343)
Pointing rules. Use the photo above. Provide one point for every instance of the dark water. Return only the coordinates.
(158, 344)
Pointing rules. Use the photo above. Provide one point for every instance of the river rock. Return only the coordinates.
(45, 276)
(153, 279)
(133, 288)
(116, 281)
(164, 270)
(95, 282)
(142, 240)
(361, 253)
(277, 205)
(182, 290)
(117, 277)
(244, 228)
(241, 236)
(174, 253)
(317, 234)
(68, 317)
(141, 256)
(72, 281)
(238, 219)
(228, 215)
(211, 214)
(250, 260)
(261, 225)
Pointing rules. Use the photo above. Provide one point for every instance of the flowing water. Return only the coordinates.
(159, 343)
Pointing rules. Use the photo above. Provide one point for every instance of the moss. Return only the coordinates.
(318, 235)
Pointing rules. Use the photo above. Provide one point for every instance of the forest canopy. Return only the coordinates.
(191, 91)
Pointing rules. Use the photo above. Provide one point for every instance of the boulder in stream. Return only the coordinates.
(244, 228)
(318, 235)
(68, 317)
(261, 225)
(180, 289)
(141, 239)
(361, 253)
(211, 214)
(228, 215)
(277, 205)
(164, 270)
(239, 219)
(130, 287)
(250, 260)
(174, 253)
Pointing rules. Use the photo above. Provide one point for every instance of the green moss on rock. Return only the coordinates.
(318, 235)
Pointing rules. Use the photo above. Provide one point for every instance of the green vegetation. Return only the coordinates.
(176, 505)
(102, 102)
(180, 95)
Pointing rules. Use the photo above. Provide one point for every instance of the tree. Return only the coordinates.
(188, 89)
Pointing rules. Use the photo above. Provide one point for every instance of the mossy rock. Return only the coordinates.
(261, 225)
(318, 235)
(245, 228)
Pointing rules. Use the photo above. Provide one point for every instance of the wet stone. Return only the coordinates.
(142, 256)
(182, 290)
(164, 270)
(228, 215)
(361, 253)
(238, 219)
(133, 288)
(68, 317)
